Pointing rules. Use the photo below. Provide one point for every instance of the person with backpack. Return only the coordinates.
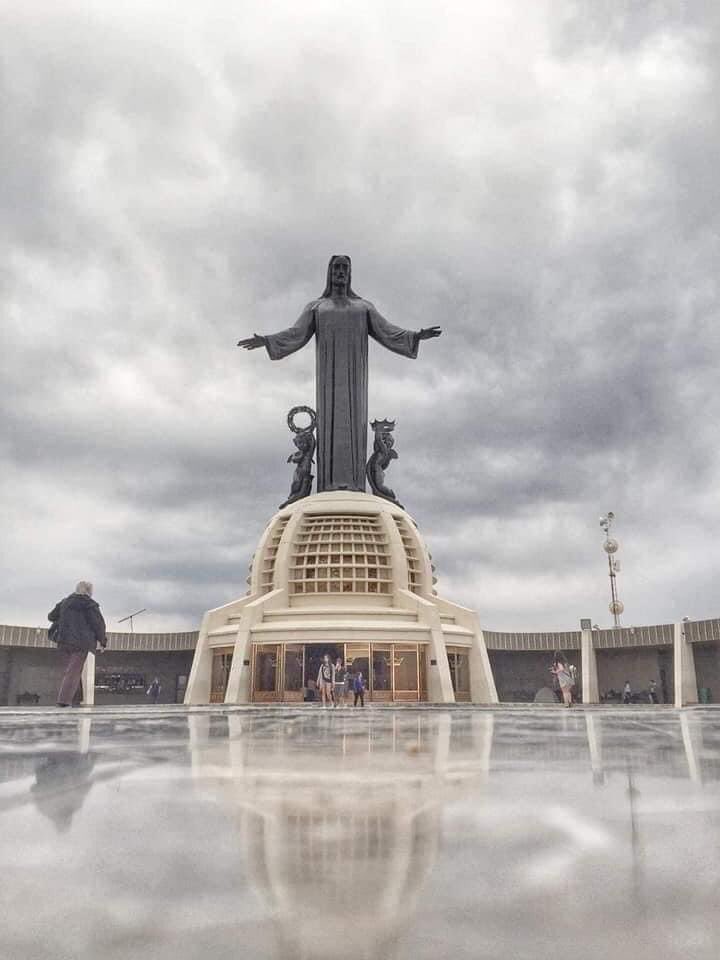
(326, 681)
(78, 628)
(153, 691)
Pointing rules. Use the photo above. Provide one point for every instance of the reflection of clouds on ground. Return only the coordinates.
(387, 833)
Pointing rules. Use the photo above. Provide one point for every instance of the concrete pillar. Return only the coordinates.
(199, 681)
(88, 680)
(588, 657)
(439, 682)
(482, 682)
(238, 686)
(683, 668)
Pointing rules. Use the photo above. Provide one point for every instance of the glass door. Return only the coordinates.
(357, 661)
(294, 675)
(266, 672)
(381, 678)
(221, 663)
(459, 662)
(406, 679)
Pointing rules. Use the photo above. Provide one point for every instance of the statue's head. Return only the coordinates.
(339, 271)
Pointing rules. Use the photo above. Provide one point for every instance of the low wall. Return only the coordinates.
(639, 665)
(520, 674)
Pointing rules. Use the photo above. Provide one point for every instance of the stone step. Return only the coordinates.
(339, 624)
(453, 630)
(301, 614)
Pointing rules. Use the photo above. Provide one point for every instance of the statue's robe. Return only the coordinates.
(341, 328)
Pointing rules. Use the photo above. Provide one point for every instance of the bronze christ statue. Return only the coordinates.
(341, 322)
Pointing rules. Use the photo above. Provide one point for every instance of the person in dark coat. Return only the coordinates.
(359, 690)
(78, 628)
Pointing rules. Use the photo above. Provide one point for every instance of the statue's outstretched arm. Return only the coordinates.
(282, 344)
(253, 342)
(427, 333)
(396, 338)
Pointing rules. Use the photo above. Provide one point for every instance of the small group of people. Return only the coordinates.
(627, 695)
(652, 693)
(335, 682)
(566, 676)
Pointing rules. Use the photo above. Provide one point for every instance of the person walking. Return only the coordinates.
(78, 628)
(627, 692)
(564, 676)
(359, 690)
(326, 681)
(339, 687)
(153, 691)
(652, 692)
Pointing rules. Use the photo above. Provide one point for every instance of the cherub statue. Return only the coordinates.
(304, 440)
(383, 453)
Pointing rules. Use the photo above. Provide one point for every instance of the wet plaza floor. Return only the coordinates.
(411, 834)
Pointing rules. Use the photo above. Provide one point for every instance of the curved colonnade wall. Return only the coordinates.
(688, 652)
(30, 667)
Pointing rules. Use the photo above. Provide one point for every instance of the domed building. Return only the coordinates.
(346, 574)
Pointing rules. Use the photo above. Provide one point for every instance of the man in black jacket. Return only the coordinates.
(78, 629)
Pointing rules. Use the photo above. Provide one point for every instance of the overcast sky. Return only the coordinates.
(539, 178)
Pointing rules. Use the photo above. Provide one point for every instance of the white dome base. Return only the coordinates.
(347, 573)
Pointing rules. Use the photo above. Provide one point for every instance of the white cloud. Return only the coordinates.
(538, 179)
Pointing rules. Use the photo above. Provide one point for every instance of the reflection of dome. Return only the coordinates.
(339, 823)
(327, 860)
(338, 814)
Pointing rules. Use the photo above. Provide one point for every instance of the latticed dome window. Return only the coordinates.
(268, 568)
(412, 554)
(340, 554)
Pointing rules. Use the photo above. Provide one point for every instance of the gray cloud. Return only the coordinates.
(538, 179)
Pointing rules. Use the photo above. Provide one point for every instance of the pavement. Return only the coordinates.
(393, 833)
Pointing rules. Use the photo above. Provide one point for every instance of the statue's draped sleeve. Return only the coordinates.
(279, 345)
(390, 336)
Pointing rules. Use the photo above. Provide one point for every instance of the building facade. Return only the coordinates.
(348, 575)
(682, 659)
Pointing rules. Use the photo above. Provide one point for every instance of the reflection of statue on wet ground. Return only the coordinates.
(341, 323)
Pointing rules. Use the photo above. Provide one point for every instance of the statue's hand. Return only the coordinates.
(253, 342)
(428, 332)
